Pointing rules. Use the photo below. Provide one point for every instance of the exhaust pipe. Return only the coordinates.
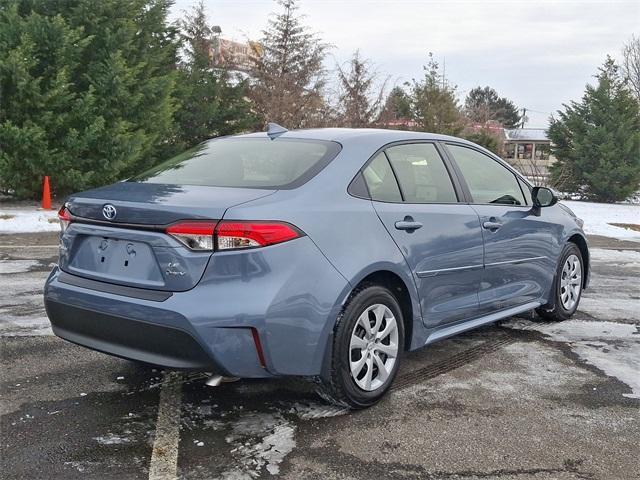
(216, 380)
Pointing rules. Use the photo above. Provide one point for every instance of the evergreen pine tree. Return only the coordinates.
(288, 76)
(397, 109)
(597, 141)
(486, 139)
(434, 106)
(212, 100)
(484, 104)
(86, 91)
(359, 99)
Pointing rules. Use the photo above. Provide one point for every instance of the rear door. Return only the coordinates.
(517, 240)
(414, 196)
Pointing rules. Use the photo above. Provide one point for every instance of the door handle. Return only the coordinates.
(491, 225)
(408, 224)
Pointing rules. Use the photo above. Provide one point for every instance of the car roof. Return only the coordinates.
(344, 135)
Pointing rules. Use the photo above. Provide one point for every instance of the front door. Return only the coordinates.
(517, 241)
(440, 238)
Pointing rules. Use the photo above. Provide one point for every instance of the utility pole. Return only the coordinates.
(523, 118)
(215, 44)
(444, 71)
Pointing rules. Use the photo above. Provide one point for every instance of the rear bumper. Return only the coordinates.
(127, 338)
(156, 332)
(289, 294)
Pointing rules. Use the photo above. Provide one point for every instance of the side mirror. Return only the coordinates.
(543, 197)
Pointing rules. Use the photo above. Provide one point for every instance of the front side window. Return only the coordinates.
(421, 173)
(380, 180)
(526, 189)
(245, 163)
(488, 180)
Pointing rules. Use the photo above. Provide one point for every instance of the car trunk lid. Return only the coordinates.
(146, 204)
(131, 248)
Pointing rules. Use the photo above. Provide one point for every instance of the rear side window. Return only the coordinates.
(380, 180)
(246, 163)
(488, 180)
(421, 173)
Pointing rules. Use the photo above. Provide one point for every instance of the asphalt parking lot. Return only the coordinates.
(524, 399)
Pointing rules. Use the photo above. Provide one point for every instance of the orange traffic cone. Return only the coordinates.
(46, 194)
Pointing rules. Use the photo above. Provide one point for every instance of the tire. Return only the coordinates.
(372, 351)
(567, 285)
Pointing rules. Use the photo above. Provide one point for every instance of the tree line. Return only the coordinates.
(93, 91)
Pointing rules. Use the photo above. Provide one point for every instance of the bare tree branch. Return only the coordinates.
(631, 64)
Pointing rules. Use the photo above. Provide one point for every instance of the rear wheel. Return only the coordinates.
(568, 285)
(368, 344)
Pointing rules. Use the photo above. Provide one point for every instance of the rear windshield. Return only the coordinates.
(245, 162)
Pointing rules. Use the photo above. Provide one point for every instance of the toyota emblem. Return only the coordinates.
(109, 211)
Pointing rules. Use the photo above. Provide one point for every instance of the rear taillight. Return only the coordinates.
(65, 218)
(195, 235)
(231, 235)
(245, 234)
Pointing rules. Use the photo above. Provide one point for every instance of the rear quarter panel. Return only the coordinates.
(285, 291)
(346, 229)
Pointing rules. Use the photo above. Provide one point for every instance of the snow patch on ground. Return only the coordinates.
(608, 306)
(311, 411)
(617, 258)
(16, 266)
(611, 347)
(82, 466)
(21, 220)
(613, 292)
(21, 302)
(25, 327)
(112, 439)
(259, 440)
(598, 217)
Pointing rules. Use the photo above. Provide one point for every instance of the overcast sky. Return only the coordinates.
(539, 54)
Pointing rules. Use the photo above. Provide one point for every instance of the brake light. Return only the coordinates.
(65, 218)
(195, 235)
(244, 234)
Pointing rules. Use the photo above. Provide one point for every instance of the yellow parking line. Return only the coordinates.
(164, 456)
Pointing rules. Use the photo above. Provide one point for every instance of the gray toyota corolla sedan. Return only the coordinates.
(323, 253)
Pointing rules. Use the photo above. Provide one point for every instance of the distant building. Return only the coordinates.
(399, 123)
(491, 127)
(529, 150)
(234, 55)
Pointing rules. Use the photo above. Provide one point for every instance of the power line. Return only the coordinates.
(536, 111)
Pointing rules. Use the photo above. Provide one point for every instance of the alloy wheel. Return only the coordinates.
(373, 348)
(571, 282)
